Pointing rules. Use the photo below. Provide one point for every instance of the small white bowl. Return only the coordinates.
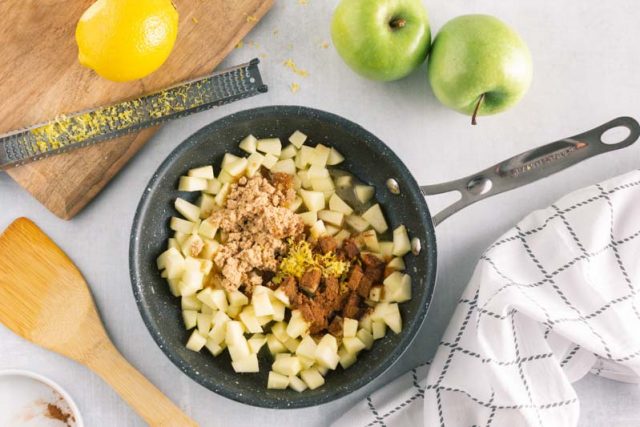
(24, 396)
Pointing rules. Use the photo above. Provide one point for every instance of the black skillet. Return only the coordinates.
(400, 195)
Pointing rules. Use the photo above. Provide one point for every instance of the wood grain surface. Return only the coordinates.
(40, 78)
(49, 304)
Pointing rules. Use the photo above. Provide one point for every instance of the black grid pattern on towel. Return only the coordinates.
(474, 314)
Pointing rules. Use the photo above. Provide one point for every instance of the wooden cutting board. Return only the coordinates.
(40, 78)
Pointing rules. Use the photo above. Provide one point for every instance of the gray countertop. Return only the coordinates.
(586, 71)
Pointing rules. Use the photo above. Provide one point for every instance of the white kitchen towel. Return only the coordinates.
(554, 298)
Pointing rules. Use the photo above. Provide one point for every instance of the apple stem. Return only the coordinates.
(475, 110)
(397, 23)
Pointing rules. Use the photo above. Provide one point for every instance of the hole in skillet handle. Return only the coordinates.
(615, 135)
(618, 133)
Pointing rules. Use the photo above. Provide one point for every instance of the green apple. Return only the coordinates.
(479, 66)
(381, 39)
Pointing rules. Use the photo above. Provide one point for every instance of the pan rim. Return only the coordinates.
(411, 328)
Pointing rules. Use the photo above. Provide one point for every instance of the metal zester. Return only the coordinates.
(83, 128)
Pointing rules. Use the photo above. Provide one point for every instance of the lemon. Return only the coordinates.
(124, 40)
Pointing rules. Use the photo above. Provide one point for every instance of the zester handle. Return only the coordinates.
(531, 166)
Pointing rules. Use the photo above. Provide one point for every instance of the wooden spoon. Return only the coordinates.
(45, 299)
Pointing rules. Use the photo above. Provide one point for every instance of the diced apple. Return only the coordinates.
(349, 327)
(289, 152)
(297, 139)
(344, 181)
(205, 172)
(320, 155)
(309, 218)
(228, 158)
(371, 240)
(341, 236)
(358, 223)
(254, 161)
(213, 186)
(182, 225)
(322, 184)
(393, 319)
(256, 342)
(339, 205)
(366, 337)
(364, 193)
(269, 161)
(205, 309)
(278, 310)
(210, 248)
(214, 298)
(172, 242)
(306, 362)
(196, 341)
(331, 217)
(218, 332)
(397, 287)
(297, 325)
(174, 285)
(397, 264)
(190, 318)
(249, 144)
(275, 345)
(379, 329)
(331, 230)
(191, 282)
(279, 330)
(270, 146)
(277, 381)
(262, 304)
(375, 217)
(317, 172)
(284, 166)
(234, 333)
(312, 378)
(353, 344)
(335, 157)
(221, 197)
(292, 344)
(237, 168)
(385, 249)
(246, 365)
(215, 348)
(282, 296)
(346, 359)
(307, 347)
(297, 384)
(225, 177)
(323, 370)
(163, 258)
(190, 183)
(375, 294)
(303, 157)
(287, 366)
(240, 349)
(237, 298)
(190, 302)
(234, 311)
(326, 352)
(181, 237)
(295, 204)
(313, 200)
(192, 246)
(206, 203)
(203, 322)
(401, 243)
(207, 229)
(317, 229)
(248, 317)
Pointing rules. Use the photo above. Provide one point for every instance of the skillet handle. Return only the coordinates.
(531, 166)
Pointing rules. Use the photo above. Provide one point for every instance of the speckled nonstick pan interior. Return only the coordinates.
(371, 161)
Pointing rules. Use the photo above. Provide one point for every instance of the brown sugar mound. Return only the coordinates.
(257, 223)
